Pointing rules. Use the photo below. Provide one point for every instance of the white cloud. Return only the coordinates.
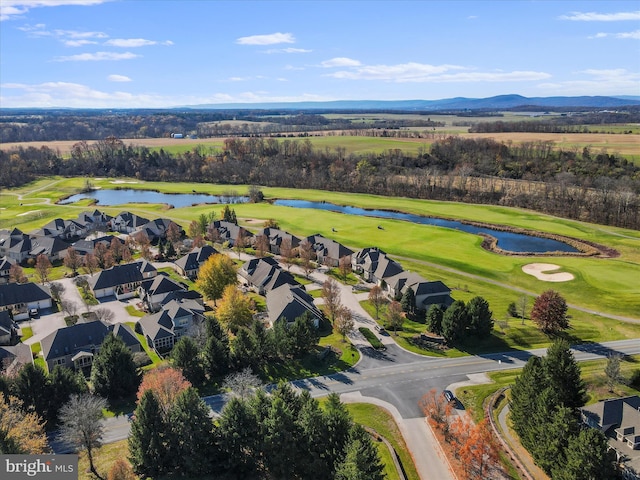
(118, 78)
(270, 39)
(621, 35)
(423, 73)
(129, 42)
(601, 17)
(168, 43)
(340, 62)
(238, 79)
(63, 94)
(16, 8)
(75, 34)
(287, 50)
(618, 81)
(97, 57)
(78, 43)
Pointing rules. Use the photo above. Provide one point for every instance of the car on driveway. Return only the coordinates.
(33, 313)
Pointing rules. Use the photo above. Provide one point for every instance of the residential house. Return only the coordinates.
(188, 265)
(94, 221)
(75, 346)
(126, 222)
(375, 266)
(328, 252)
(163, 329)
(154, 290)
(265, 274)
(14, 244)
(8, 331)
(5, 268)
(156, 229)
(82, 247)
(122, 281)
(19, 298)
(54, 248)
(289, 302)
(227, 232)
(426, 293)
(619, 420)
(64, 229)
(13, 357)
(276, 237)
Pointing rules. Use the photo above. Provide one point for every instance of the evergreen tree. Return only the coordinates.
(282, 341)
(237, 433)
(587, 458)
(147, 451)
(310, 421)
(113, 373)
(408, 301)
(191, 437)
(213, 328)
(554, 429)
(563, 375)
(361, 461)
(216, 357)
(263, 342)
(242, 350)
(303, 335)
(63, 382)
(455, 322)
(524, 394)
(186, 356)
(480, 321)
(32, 387)
(338, 424)
(282, 440)
(434, 319)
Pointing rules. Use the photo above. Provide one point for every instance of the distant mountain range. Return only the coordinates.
(458, 103)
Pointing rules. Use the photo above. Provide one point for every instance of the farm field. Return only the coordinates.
(624, 144)
(601, 285)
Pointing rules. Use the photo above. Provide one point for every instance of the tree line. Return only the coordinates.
(584, 185)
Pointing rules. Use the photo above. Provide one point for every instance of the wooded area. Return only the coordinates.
(595, 187)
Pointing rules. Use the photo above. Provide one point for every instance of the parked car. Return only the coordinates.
(449, 396)
(33, 313)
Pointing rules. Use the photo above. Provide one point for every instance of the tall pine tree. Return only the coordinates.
(147, 450)
(113, 373)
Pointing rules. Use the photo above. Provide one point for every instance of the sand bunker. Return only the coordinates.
(538, 269)
(119, 182)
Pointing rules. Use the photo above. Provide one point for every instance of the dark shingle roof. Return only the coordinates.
(195, 258)
(119, 275)
(15, 293)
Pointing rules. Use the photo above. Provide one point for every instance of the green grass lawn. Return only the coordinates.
(133, 311)
(27, 332)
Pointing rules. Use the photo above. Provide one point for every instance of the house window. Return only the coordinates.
(162, 343)
(59, 361)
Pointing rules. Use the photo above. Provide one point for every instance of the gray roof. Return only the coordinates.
(6, 263)
(610, 413)
(161, 324)
(130, 219)
(15, 293)
(48, 246)
(15, 241)
(195, 258)
(161, 284)
(78, 337)
(119, 275)
(290, 302)
(229, 231)
(87, 246)
(276, 236)
(6, 324)
(328, 248)
(266, 273)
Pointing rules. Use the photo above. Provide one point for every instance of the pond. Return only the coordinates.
(508, 241)
(129, 195)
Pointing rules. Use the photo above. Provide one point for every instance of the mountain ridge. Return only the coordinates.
(508, 101)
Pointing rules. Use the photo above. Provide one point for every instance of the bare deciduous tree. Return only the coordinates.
(81, 425)
(331, 296)
(242, 383)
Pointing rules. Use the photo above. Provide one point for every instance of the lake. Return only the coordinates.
(129, 195)
(508, 241)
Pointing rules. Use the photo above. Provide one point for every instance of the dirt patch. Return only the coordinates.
(538, 270)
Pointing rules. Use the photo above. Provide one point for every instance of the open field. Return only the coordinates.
(603, 285)
(627, 145)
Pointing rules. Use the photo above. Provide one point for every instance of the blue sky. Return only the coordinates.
(146, 53)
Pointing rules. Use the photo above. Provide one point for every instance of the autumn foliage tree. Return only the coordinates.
(395, 316)
(20, 432)
(215, 274)
(235, 309)
(377, 298)
(166, 383)
(331, 296)
(550, 312)
(72, 260)
(478, 452)
(43, 268)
